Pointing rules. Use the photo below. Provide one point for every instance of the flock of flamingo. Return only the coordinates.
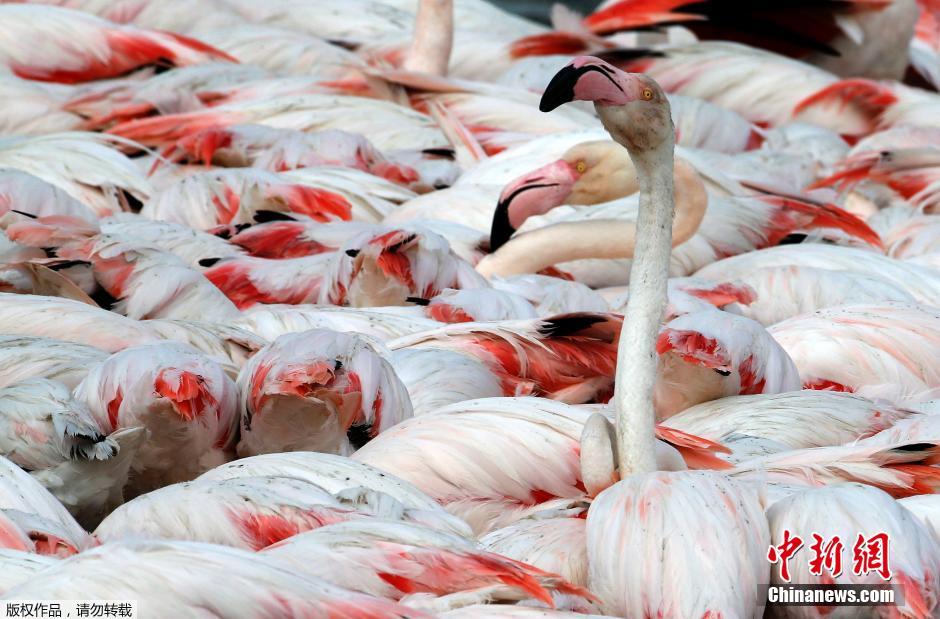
(414, 308)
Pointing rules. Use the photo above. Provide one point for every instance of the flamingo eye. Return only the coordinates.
(581, 167)
(647, 94)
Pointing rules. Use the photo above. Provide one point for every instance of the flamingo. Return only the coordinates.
(55, 530)
(524, 256)
(126, 271)
(597, 171)
(794, 420)
(55, 437)
(392, 560)
(711, 354)
(318, 390)
(861, 37)
(635, 111)
(272, 321)
(524, 452)
(858, 332)
(71, 321)
(206, 200)
(93, 48)
(556, 544)
(248, 512)
(345, 477)
(922, 283)
(19, 566)
(184, 399)
(92, 171)
(568, 358)
(181, 576)
(861, 511)
(782, 292)
(25, 357)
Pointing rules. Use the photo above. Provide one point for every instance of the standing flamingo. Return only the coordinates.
(670, 519)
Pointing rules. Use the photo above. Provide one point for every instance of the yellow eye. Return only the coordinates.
(647, 94)
(581, 167)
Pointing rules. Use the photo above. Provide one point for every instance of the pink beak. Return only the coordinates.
(535, 193)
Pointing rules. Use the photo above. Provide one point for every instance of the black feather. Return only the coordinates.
(916, 447)
(359, 435)
(68, 264)
(569, 324)
(263, 217)
(444, 153)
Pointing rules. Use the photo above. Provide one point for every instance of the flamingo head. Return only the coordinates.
(632, 106)
(588, 173)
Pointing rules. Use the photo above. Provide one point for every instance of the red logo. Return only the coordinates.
(868, 555)
(826, 556)
(782, 553)
(871, 555)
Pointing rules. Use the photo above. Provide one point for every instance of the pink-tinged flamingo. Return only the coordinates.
(526, 452)
(49, 433)
(250, 512)
(318, 390)
(598, 172)
(711, 354)
(555, 543)
(183, 398)
(419, 566)
(634, 109)
(858, 37)
(850, 512)
(180, 577)
(886, 347)
(569, 358)
(18, 566)
(782, 292)
(793, 420)
(344, 477)
(529, 253)
(79, 47)
(31, 506)
(27, 357)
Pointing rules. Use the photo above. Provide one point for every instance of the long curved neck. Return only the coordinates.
(599, 238)
(636, 357)
(433, 38)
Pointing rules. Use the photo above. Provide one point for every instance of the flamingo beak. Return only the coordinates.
(589, 79)
(535, 193)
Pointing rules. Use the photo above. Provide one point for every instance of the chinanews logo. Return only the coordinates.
(870, 563)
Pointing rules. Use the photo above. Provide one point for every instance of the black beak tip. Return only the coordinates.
(560, 89)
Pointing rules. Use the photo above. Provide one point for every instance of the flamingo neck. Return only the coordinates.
(636, 358)
(433, 38)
